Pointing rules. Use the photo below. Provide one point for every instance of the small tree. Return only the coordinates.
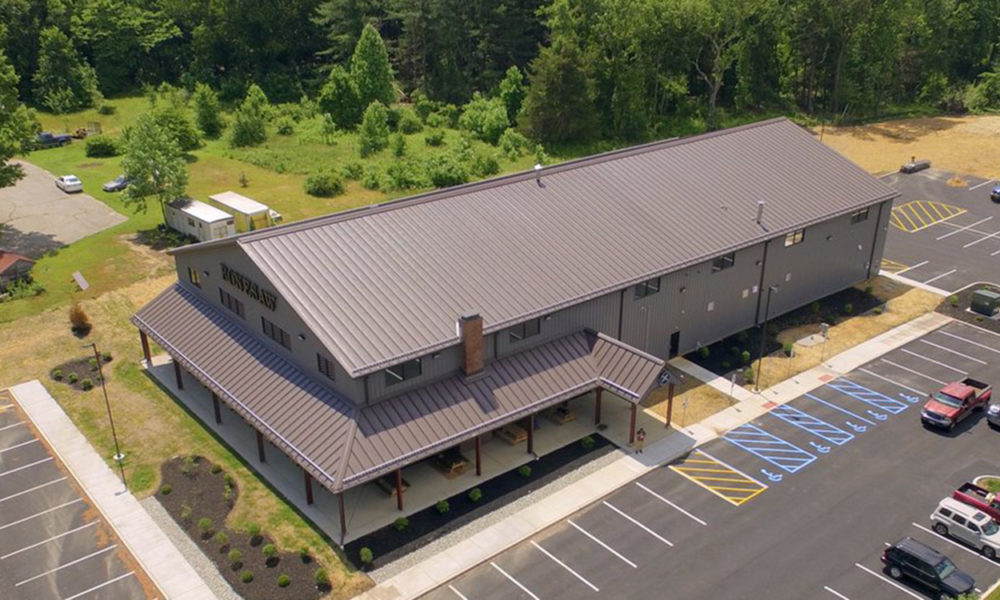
(63, 81)
(475, 495)
(253, 530)
(78, 319)
(269, 551)
(205, 525)
(284, 580)
(366, 555)
(322, 579)
(401, 523)
(511, 92)
(442, 506)
(235, 557)
(222, 539)
(207, 111)
(153, 164)
(339, 98)
(370, 68)
(246, 576)
(374, 134)
(249, 123)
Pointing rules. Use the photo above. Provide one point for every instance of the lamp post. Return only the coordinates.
(119, 457)
(763, 336)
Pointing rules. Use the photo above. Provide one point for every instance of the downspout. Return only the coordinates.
(621, 313)
(871, 255)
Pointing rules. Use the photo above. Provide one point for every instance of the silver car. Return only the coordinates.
(993, 416)
(69, 184)
(967, 524)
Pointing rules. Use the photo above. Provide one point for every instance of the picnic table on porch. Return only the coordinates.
(387, 483)
(560, 414)
(513, 434)
(451, 462)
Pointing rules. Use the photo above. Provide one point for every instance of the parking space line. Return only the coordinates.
(97, 587)
(935, 278)
(887, 580)
(813, 425)
(931, 360)
(919, 264)
(835, 592)
(979, 185)
(55, 537)
(38, 514)
(940, 347)
(638, 524)
(668, 502)
(984, 238)
(32, 489)
(961, 229)
(27, 466)
(769, 447)
(868, 396)
(69, 564)
(909, 370)
(886, 379)
(515, 582)
(457, 593)
(603, 545)
(983, 346)
(565, 566)
(31, 441)
(954, 543)
(11, 426)
(843, 410)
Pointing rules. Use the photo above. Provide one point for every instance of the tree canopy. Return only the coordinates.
(153, 164)
(17, 124)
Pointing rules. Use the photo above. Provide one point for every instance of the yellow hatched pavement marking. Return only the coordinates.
(892, 266)
(921, 214)
(734, 495)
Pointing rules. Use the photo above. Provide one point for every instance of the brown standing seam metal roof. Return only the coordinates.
(343, 446)
(385, 283)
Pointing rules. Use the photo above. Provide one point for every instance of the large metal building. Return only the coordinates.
(363, 341)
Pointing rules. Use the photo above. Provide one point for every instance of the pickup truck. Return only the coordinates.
(981, 498)
(51, 140)
(954, 402)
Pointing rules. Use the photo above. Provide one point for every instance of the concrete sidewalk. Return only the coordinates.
(481, 546)
(159, 558)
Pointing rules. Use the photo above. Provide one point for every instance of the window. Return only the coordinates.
(190, 222)
(402, 372)
(946, 512)
(795, 237)
(231, 303)
(647, 288)
(276, 333)
(858, 216)
(325, 366)
(723, 262)
(959, 520)
(525, 330)
(193, 277)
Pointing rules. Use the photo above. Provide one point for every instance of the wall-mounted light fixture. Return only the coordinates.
(683, 289)
(435, 355)
(546, 317)
(829, 237)
(302, 337)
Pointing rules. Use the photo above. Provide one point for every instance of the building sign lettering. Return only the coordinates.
(249, 287)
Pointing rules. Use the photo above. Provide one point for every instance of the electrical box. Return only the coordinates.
(985, 302)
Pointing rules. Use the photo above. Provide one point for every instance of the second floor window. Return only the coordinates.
(647, 288)
(193, 277)
(525, 330)
(723, 262)
(795, 237)
(325, 366)
(232, 303)
(858, 216)
(403, 371)
(276, 333)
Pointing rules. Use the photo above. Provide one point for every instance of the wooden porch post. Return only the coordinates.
(309, 487)
(670, 403)
(177, 375)
(343, 518)
(145, 348)
(218, 409)
(260, 446)
(631, 426)
(479, 456)
(399, 489)
(531, 434)
(597, 407)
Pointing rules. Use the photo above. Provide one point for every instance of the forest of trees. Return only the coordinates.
(622, 69)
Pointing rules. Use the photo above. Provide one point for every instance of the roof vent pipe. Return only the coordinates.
(538, 173)
(760, 210)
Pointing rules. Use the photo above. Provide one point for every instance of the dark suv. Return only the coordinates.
(928, 566)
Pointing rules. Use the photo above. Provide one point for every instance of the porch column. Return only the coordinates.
(177, 374)
(260, 446)
(670, 403)
(343, 518)
(631, 425)
(479, 456)
(399, 489)
(531, 434)
(145, 348)
(309, 487)
(217, 408)
(597, 407)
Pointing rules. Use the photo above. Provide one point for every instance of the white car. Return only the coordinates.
(968, 524)
(69, 184)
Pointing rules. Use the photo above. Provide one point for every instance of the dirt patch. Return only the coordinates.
(694, 401)
(957, 307)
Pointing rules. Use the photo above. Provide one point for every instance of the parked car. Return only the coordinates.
(968, 524)
(979, 498)
(47, 139)
(993, 416)
(995, 194)
(115, 185)
(954, 402)
(919, 562)
(915, 165)
(69, 184)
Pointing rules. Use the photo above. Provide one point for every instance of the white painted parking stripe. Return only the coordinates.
(886, 379)
(940, 276)
(983, 346)
(977, 328)
(979, 185)
(961, 229)
(887, 580)
(565, 566)
(31, 489)
(994, 253)
(11, 426)
(638, 524)
(27, 466)
(97, 587)
(44, 512)
(982, 239)
(69, 564)
(954, 543)
(835, 592)
(19, 445)
(665, 501)
(457, 593)
(516, 582)
(936, 362)
(55, 537)
(909, 370)
(955, 352)
(919, 264)
(603, 545)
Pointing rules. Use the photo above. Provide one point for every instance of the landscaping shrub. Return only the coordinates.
(444, 171)
(878, 310)
(324, 185)
(235, 556)
(57, 374)
(869, 289)
(322, 578)
(106, 109)
(475, 495)
(92, 363)
(726, 365)
(253, 530)
(848, 308)
(587, 442)
(748, 374)
(442, 506)
(434, 138)
(166, 489)
(352, 170)
(79, 321)
(953, 300)
(73, 378)
(189, 464)
(86, 384)
(815, 308)
(734, 350)
(366, 555)
(787, 347)
(401, 523)
(185, 513)
(269, 550)
(704, 352)
(745, 356)
(246, 576)
(205, 525)
(525, 471)
(304, 555)
(106, 356)
(216, 469)
(284, 580)
(22, 289)
(102, 146)
(743, 337)
(222, 539)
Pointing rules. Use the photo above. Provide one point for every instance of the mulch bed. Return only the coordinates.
(388, 543)
(76, 373)
(194, 489)
(726, 356)
(958, 308)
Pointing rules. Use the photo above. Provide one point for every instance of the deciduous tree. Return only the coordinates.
(153, 164)
(64, 81)
(207, 112)
(17, 123)
(340, 99)
(250, 121)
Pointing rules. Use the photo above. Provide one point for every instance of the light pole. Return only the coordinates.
(763, 336)
(119, 457)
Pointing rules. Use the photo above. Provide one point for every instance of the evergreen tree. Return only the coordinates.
(374, 134)
(17, 123)
(370, 69)
(511, 91)
(64, 81)
(343, 21)
(249, 123)
(153, 164)
(207, 112)
(559, 105)
(339, 98)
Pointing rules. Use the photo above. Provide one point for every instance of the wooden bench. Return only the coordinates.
(387, 483)
(451, 462)
(513, 434)
(560, 415)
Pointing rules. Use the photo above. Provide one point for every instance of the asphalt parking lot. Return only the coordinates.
(53, 544)
(941, 235)
(797, 504)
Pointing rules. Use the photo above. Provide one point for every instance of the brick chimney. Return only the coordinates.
(470, 329)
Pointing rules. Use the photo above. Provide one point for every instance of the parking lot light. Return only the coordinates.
(763, 337)
(118, 457)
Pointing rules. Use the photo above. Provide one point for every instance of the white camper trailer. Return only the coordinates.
(199, 220)
(250, 215)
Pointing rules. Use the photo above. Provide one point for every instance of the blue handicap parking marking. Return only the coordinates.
(872, 398)
(856, 427)
(817, 427)
(769, 447)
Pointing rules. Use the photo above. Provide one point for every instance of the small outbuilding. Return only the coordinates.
(250, 215)
(13, 268)
(199, 220)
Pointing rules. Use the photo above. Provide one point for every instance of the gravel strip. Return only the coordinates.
(197, 559)
(442, 543)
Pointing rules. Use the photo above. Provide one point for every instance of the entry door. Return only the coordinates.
(675, 343)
